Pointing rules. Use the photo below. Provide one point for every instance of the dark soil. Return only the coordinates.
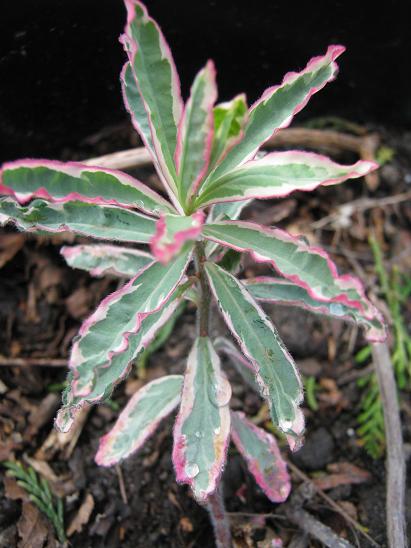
(42, 305)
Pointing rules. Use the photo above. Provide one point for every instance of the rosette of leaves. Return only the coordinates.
(206, 157)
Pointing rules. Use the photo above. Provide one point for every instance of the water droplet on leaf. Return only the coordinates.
(192, 470)
(220, 392)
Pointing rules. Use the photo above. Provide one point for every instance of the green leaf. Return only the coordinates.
(101, 259)
(305, 266)
(273, 366)
(139, 419)
(106, 378)
(135, 107)
(195, 134)
(62, 182)
(202, 429)
(229, 119)
(280, 291)
(221, 212)
(102, 222)
(277, 106)
(157, 80)
(279, 174)
(263, 457)
(105, 335)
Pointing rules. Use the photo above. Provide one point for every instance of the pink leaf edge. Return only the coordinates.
(332, 53)
(75, 169)
(102, 457)
(131, 48)
(359, 169)
(71, 411)
(74, 251)
(211, 72)
(222, 437)
(373, 334)
(162, 249)
(275, 482)
(345, 281)
(297, 426)
(99, 314)
(130, 5)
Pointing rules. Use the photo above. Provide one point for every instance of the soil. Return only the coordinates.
(43, 303)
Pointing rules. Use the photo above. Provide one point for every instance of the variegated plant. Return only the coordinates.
(206, 157)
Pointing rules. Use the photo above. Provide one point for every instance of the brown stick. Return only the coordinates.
(125, 159)
(29, 362)
(299, 473)
(316, 529)
(294, 510)
(395, 504)
(349, 208)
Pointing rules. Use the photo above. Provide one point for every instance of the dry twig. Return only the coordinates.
(345, 211)
(308, 523)
(395, 503)
(29, 362)
(299, 473)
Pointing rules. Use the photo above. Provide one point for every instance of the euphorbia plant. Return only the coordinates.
(206, 158)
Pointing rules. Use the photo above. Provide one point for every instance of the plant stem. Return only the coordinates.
(215, 506)
(215, 502)
(203, 312)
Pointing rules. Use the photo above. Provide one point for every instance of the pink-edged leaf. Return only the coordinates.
(135, 107)
(304, 265)
(106, 378)
(195, 134)
(221, 212)
(280, 291)
(100, 259)
(202, 428)
(106, 334)
(139, 419)
(62, 182)
(172, 231)
(158, 83)
(278, 174)
(277, 106)
(274, 369)
(247, 372)
(262, 455)
(107, 330)
(97, 221)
